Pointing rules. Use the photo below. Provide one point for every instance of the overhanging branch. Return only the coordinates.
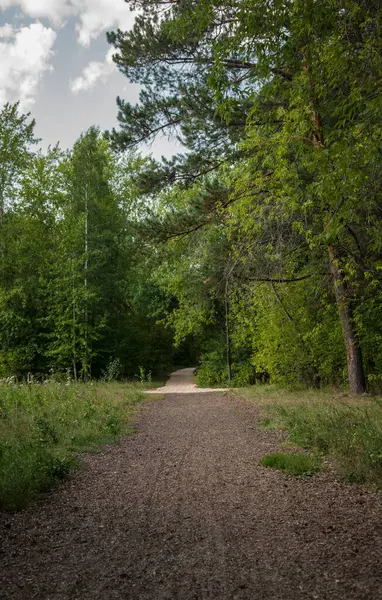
(280, 280)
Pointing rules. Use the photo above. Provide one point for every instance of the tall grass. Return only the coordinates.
(346, 430)
(41, 426)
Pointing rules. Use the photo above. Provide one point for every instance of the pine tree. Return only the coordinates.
(284, 93)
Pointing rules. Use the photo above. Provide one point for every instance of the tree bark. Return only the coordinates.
(357, 383)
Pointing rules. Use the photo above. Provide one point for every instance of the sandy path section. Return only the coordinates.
(182, 511)
(182, 382)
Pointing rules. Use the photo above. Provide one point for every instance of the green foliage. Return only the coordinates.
(347, 432)
(113, 370)
(42, 425)
(265, 232)
(278, 110)
(301, 350)
(86, 283)
(26, 198)
(297, 464)
(143, 376)
(213, 368)
(351, 434)
(75, 287)
(16, 138)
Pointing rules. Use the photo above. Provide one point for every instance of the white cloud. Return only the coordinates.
(93, 73)
(6, 31)
(97, 16)
(22, 66)
(24, 57)
(53, 10)
(94, 16)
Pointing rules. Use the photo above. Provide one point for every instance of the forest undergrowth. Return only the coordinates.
(339, 431)
(43, 428)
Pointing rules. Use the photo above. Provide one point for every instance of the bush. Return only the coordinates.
(213, 368)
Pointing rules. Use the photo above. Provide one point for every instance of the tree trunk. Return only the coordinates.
(74, 357)
(2, 202)
(228, 339)
(86, 266)
(356, 374)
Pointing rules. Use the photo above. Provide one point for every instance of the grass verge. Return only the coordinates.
(42, 426)
(347, 430)
(299, 465)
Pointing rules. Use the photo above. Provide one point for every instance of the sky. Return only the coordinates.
(55, 60)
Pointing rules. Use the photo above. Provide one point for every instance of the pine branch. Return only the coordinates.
(281, 280)
(154, 132)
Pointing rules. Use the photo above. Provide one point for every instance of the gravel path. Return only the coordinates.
(182, 382)
(183, 511)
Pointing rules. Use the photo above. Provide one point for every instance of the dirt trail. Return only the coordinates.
(182, 511)
(182, 382)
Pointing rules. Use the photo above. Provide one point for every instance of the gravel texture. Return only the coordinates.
(182, 511)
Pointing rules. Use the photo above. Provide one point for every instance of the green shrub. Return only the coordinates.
(213, 368)
(113, 370)
(243, 374)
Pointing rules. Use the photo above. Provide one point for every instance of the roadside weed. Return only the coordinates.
(42, 425)
(347, 430)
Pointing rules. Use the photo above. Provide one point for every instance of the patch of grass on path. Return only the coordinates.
(41, 426)
(347, 430)
(292, 464)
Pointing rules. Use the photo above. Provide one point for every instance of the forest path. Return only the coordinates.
(182, 382)
(182, 511)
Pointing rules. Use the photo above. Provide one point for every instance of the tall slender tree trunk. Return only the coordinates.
(74, 342)
(357, 383)
(1, 205)
(228, 337)
(356, 373)
(3, 185)
(86, 266)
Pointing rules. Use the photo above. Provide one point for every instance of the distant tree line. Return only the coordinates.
(74, 292)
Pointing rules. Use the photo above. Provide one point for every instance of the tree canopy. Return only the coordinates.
(258, 244)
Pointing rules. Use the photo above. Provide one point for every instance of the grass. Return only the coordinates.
(42, 427)
(291, 464)
(347, 430)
